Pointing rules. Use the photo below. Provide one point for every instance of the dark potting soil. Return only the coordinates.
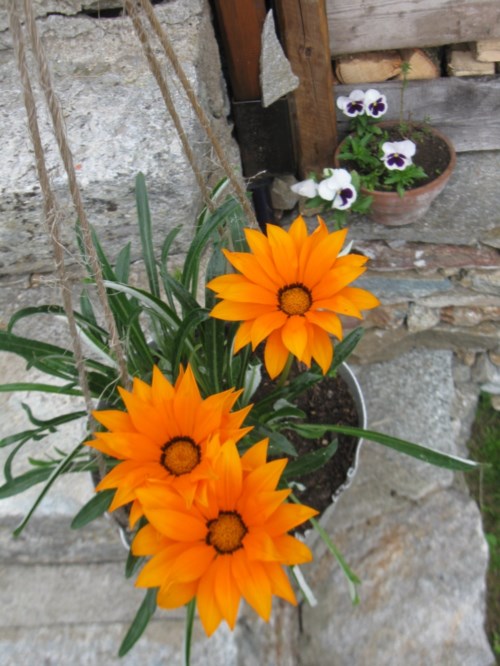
(432, 153)
(329, 401)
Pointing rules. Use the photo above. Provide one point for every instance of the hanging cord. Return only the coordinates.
(67, 158)
(52, 215)
(198, 109)
(49, 202)
(155, 68)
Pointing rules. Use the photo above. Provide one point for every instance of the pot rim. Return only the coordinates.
(442, 178)
(345, 371)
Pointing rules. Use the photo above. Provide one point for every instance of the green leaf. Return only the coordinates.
(122, 265)
(55, 473)
(21, 483)
(66, 389)
(351, 578)
(212, 222)
(414, 450)
(310, 462)
(146, 234)
(140, 622)
(133, 564)
(188, 636)
(155, 305)
(182, 344)
(49, 358)
(94, 508)
(345, 348)
(87, 308)
(165, 250)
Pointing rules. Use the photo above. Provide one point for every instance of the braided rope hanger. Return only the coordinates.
(56, 116)
(52, 215)
(130, 7)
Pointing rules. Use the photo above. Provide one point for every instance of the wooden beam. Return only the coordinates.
(240, 23)
(466, 110)
(304, 31)
(371, 25)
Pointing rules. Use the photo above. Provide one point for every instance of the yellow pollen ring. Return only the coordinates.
(295, 299)
(180, 455)
(226, 532)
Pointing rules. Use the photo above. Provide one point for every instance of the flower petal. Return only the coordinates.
(208, 608)
(275, 354)
(253, 583)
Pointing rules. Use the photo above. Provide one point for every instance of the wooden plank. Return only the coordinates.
(240, 25)
(371, 25)
(466, 110)
(304, 32)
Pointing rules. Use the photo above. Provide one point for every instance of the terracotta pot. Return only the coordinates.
(390, 209)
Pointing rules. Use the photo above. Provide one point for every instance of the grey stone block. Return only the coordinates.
(117, 126)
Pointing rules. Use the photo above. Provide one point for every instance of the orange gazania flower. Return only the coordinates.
(166, 434)
(290, 289)
(234, 546)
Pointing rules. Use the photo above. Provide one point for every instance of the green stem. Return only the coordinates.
(286, 371)
(190, 608)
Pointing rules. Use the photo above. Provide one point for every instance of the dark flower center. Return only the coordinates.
(180, 455)
(345, 195)
(352, 107)
(396, 158)
(294, 299)
(226, 532)
(377, 107)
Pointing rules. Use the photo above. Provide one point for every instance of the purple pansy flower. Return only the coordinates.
(337, 188)
(375, 103)
(353, 105)
(398, 154)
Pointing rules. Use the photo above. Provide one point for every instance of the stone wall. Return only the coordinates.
(117, 126)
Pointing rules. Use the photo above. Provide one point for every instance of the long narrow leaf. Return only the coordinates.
(21, 483)
(192, 262)
(66, 389)
(182, 344)
(94, 508)
(55, 473)
(146, 233)
(409, 448)
(188, 636)
(351, 578)
(49, 358)
(165, 250)
(122, 264)
(140, 622)
(154, 304)
(310, 462)
(344, 349)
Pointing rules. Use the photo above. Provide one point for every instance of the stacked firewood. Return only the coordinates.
(477, 59)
